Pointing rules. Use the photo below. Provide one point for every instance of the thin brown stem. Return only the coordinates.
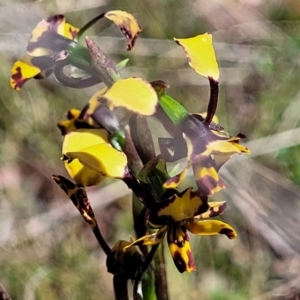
(213, 101)
(161, 284)
(120, 287)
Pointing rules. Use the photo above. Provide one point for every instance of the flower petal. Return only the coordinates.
(211, 227)
(135, 94)
(150, 239)
(207, 177)
(48, 37)
(70, 31)
(83, 138)
(79, 198)
(181, 206)
(103, 159)
(203, 142)
(215, 209)
(226, 146)
(75, 122)
(201, 55)
(75, 141)
(21, 72)
(127, 23)
(180, 249)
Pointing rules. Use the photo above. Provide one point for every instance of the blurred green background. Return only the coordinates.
(46, 252)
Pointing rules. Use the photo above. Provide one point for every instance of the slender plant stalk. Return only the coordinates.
(143, 143)
(120, 287)
(213, 101)
(161, 284)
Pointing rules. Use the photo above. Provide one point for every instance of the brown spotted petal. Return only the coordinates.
(79, 198)
(179, 207)
(22, 72)
(211, 227)
(127, 23)
(69, 125)
(75, 121)
(30, 67)
(207, 177)
(179, 245)
(48, 37)
(215, 209)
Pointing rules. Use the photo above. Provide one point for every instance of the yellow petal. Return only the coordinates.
(21, 72)
(150, 239)
(70, 31)
(127, 23)
(201, 55)
(103, 159)
(180, 249)
(135, 94)
(83, 138)
(69, 125)
(211, 227)
(177, 208)
(226, 147)
(76, 141)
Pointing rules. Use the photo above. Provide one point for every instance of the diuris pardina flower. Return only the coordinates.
(205, 144)
(174, 213)
(178, 215)
(54, 44)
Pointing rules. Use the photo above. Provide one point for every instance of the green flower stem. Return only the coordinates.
(173, 109)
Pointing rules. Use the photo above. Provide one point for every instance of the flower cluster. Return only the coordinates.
(96, 145)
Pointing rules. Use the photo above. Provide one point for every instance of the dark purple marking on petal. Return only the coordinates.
(228, 232)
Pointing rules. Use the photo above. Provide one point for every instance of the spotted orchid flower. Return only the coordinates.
(204, 142)
(184, 212)
(48, 39)
(53, 45)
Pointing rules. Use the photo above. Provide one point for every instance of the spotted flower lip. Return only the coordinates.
(49, 38)
(177, 231)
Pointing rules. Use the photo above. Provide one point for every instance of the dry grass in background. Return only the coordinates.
(46, 252)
